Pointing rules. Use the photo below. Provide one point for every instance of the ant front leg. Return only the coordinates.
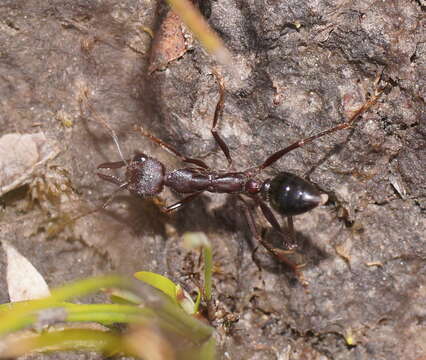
(111, 178)
(172, 149)
(113, 165)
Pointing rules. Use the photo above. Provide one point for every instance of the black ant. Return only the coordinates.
(286, 193)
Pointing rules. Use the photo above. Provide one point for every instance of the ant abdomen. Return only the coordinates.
(291, 195)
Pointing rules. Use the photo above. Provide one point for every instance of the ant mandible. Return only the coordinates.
(287, 193)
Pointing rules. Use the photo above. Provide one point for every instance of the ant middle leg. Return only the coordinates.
(182, 202)
(218, 114)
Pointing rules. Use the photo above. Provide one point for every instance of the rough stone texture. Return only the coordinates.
(304, 66)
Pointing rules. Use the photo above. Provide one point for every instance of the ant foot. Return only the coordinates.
(302, 279)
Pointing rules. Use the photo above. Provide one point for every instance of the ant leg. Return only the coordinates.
(291, 231)
(113, 165)
(269, 215)
(217, 114)
(365, 107)
(278, 253)
(122, 186)
(171, 149)
(182, 202)
(111, 179)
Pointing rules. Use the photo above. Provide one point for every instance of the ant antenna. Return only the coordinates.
(84, 99)
(95, 210)
(112, 196)
(103, 206)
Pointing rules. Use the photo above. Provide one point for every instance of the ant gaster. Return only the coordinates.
(287, 194)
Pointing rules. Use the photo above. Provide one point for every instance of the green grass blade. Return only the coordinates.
(158, 281)
(21, 314)
(64, 340)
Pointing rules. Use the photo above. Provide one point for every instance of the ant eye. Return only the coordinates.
(291, 195)
(139, 157)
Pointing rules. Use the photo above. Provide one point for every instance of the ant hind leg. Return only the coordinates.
(289, 245)
(345, 125)
(281, 255)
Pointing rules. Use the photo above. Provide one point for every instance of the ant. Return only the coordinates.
(288, 194)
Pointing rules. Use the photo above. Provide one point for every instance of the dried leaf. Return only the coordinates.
(23, 280)
(208, 38)
(170, 42)
(20, 155)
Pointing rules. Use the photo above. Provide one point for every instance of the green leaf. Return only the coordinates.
(185, 301)
(158, 281)
(24, 313)
(63, 340)
(196, 241)
(205, 351)
(123, 296)
(208, 270)
(208, 349)
(197, 302)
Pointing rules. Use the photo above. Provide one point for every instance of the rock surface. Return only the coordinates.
(303, 67)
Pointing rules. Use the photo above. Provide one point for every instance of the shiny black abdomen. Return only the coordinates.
(291, 195)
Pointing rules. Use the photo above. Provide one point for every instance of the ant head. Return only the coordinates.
(144, 176)
(291, 195)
